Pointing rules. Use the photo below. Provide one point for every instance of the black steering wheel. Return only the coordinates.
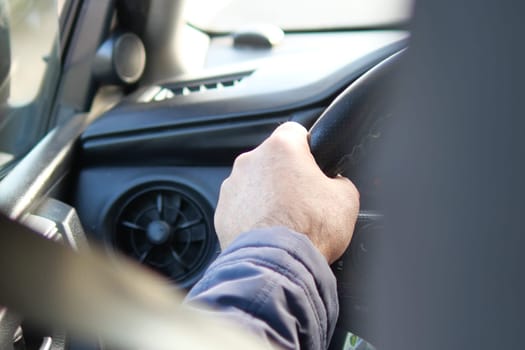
(336, 136)
(339, 141)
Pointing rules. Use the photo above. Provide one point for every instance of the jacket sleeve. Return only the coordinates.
(277, 284)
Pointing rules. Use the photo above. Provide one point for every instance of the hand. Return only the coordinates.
(280, 184)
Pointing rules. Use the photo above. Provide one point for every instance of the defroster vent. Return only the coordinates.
(184, 88)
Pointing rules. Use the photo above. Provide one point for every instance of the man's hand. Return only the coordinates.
(280, 184)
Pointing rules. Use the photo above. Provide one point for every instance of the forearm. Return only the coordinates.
(277, 284)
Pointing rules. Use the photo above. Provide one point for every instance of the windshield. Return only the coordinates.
(229, 15)
(28, 36)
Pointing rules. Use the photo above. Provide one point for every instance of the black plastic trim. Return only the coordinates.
(215, 143)
(213, 127)
(265, 92)
(67, 22)
(91, 27)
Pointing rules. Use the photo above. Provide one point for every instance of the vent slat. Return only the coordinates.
(162, 93)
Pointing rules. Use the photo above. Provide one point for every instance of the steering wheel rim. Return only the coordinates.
(338, 142)
(337, 133)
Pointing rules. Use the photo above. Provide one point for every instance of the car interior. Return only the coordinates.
(148, 111)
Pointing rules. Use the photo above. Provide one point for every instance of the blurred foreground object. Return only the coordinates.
(450, 270)
(92, 295)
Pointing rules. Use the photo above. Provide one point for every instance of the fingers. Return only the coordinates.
(346, 186)
(280, 184)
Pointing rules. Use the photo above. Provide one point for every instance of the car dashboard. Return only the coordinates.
(153, 164)
(160, 155)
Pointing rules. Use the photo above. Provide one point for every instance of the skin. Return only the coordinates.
(279, 184)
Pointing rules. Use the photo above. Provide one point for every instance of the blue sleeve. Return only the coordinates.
(276, 283)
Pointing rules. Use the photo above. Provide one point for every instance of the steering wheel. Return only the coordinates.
(337, 134)
(336, 141)
(339, 141)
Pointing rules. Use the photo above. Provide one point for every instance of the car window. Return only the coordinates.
(30, 61)
(228, 15)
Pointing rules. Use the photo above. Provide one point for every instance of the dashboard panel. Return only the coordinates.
(304, 75)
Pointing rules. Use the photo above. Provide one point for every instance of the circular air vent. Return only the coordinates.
(167, 228)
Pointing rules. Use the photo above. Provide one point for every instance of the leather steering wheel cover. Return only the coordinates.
(350, 117)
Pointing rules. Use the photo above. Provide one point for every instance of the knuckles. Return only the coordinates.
(283, 144)
(225, 185)
(241, 160)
